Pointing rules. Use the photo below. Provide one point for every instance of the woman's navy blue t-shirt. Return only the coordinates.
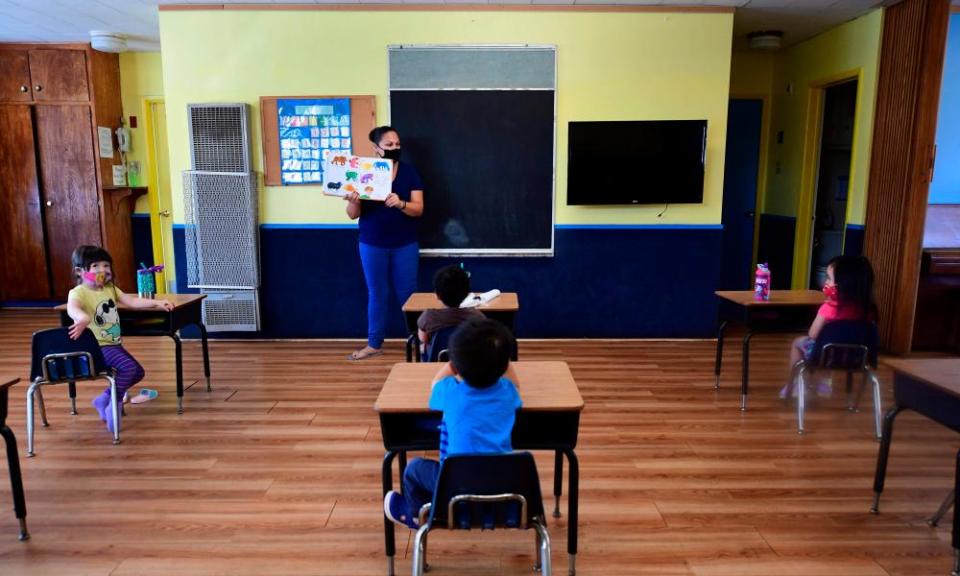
(389, 227)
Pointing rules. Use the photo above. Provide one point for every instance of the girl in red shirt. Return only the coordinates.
(849, 291)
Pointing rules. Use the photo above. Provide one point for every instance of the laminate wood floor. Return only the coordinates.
(277, 471)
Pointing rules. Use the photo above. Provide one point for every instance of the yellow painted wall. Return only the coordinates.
(610, 66)
(141, 76)
(852, 48)
(751, 73)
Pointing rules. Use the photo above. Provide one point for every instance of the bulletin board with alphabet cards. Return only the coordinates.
(302, 133)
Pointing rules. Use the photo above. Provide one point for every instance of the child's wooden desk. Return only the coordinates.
(548, 420)
(13, 459)
(931, 387)
(785, 311)
(503, 309)
(139, 322)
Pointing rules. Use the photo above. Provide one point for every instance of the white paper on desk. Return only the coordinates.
(105, 139)
(473, 299)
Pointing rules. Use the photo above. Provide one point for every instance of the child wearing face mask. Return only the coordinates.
(93, 304)
(849, 291)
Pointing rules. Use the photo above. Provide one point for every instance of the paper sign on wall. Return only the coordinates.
(105, 139)
(119, 175)
(372, 178)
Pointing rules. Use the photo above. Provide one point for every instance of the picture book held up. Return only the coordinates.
(371, 178)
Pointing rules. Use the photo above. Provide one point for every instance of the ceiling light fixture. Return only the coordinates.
(108, 41)
(766, 40)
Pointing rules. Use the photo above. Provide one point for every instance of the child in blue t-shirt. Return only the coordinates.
(477, 393)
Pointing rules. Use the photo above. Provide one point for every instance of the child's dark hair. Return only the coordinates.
(86, 255)
(480, 351)
(377, 133)
(452, 285)
(853, 276)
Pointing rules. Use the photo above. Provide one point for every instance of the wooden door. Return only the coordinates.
(59, 76)
(23, 274)
(741, 167)
(15, 76)
(901, 163)
(69, 187)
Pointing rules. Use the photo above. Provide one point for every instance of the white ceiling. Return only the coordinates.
(71, 20)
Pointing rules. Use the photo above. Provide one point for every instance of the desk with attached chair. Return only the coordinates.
(548, 420)
(187, 310)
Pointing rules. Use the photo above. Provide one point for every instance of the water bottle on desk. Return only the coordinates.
(761, 285)
(147, 281)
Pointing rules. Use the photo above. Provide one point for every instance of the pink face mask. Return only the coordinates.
(97, 278)
(831, 291)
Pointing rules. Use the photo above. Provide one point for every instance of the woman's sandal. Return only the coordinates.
(363, 353)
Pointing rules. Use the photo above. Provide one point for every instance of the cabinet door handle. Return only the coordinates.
(165, 213)
(38, 88)
(24, 88)
(49, 202)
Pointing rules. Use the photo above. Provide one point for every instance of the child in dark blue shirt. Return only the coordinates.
(477, 393)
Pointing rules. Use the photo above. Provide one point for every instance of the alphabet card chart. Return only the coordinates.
(311, 131)
(372, 178)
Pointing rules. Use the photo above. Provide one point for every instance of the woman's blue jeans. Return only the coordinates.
(381, 266)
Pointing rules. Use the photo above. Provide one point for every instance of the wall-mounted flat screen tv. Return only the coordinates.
(636, 162)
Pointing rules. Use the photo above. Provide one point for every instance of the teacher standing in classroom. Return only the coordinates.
(389, 251)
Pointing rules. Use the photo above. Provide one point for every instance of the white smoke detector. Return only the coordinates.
(766, 40)
(108, 41)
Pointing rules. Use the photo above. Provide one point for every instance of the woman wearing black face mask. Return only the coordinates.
(389, 251)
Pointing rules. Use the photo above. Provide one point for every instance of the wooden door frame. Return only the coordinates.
(810, 173)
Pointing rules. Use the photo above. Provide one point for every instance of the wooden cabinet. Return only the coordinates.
(53, 181)
(43, 75)
(59, 76)
(23, 274)
(69, 183)
(15, 76)
(936, 323)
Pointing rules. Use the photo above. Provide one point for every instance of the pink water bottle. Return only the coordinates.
(761, 287)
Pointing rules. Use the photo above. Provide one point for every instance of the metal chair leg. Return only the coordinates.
(30, 416)
(543, 544)
(115, 407)
(877, 409)
(72, 386)
(43, 408)
(792, 381)
(419, 550)
(426, 565)
(801, 398)
(537, 561)
(944, 507)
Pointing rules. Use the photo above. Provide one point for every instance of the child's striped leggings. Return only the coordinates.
(129, 371)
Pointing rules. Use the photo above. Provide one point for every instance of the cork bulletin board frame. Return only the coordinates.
(363, 110)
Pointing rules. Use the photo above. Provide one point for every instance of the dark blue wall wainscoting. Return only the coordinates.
(142, 240)
(603, 282)
(853, 240)
(776, 248)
